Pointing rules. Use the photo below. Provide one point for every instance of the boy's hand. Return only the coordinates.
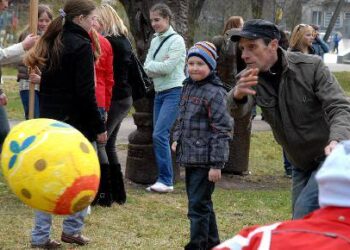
(214, 175)
(173, 146)
(3, 99)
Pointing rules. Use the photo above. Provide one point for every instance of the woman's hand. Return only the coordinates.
(102, 138)
(35, 75)
(34, 78)
(214, 175)
(173, 146)
(29, 41)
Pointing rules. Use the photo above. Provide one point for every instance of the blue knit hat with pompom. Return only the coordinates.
(206, 51)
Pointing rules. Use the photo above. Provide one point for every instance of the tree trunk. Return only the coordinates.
(334, 19)
(195, 7)
(141, 166)
(257, 8)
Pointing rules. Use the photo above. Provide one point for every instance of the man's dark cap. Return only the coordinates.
(257, 28)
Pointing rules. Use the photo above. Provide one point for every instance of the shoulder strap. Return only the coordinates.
(161, 44)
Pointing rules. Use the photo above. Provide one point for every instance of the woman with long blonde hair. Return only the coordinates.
(113, 28)
(301, 39)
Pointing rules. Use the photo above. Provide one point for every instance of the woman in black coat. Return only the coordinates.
(112, 183)
(64, 55)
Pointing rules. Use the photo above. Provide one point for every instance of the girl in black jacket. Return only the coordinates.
(64, 53)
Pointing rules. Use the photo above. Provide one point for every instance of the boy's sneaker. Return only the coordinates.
(50, 244)
(288, 173)
(75, 238)
(160, 188)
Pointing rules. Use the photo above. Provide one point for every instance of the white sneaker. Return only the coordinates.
(160, 188)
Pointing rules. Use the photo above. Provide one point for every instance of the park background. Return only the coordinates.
(153, 221)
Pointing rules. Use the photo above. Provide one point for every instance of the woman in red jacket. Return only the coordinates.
(103, 70)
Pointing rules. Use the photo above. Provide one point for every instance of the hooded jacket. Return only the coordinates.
(204, 126)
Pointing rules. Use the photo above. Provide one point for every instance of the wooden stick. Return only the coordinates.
(33, 28)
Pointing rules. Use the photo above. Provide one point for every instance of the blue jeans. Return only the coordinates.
(304, 192)
(25, 101)
(4, 125)
(287, 165)
(71, 225)
(203, 229)
(166, 107)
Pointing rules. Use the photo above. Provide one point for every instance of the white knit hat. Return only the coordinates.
(334, 178)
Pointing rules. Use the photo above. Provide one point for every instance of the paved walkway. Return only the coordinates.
(128, 125)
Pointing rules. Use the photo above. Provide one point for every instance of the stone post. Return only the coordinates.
(140, 163)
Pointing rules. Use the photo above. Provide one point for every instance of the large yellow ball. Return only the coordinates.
(50, 166)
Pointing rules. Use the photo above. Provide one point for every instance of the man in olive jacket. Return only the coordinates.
(300, 99)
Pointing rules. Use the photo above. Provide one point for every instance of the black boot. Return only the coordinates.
(117, 184)
(104, 196)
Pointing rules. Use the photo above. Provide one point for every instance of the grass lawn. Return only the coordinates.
(149, 221)
(152, 221)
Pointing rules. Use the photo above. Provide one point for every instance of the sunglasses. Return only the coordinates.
(302, 25)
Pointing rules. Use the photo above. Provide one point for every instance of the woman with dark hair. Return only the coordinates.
(44, 19)
(229, 61)
(165, 63)
(67, 93)
(283, 42)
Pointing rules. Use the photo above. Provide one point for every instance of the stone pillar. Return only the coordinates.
(140, 163)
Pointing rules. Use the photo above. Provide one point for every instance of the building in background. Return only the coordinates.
(320, 12)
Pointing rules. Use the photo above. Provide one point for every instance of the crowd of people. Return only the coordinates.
(80, 62)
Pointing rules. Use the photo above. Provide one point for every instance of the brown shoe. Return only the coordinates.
(75, 238)
(50, 244)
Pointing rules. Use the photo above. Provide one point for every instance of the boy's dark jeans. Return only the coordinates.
(204, 231)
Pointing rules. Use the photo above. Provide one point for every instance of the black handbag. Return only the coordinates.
(142, 85)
